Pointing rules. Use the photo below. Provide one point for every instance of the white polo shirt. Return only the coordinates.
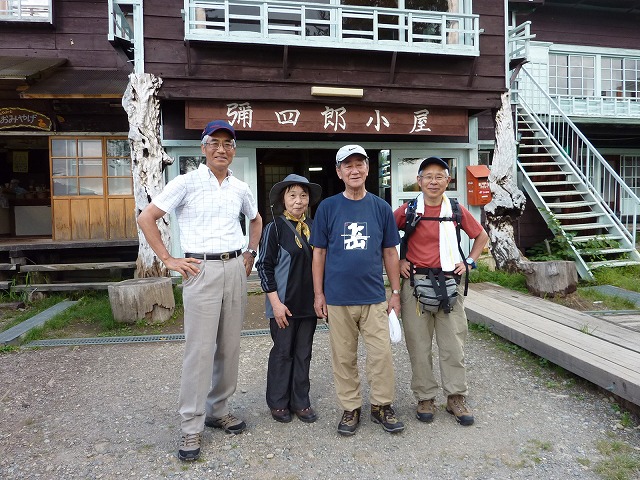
(208, 213)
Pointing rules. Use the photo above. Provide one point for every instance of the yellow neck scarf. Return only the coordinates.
(301, 227)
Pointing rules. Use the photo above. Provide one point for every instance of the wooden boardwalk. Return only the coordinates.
(600, 350)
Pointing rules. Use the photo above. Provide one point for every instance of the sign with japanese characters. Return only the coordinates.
(14, 117)
(320, 118)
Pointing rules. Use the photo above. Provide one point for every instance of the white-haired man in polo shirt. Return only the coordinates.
(207, 203)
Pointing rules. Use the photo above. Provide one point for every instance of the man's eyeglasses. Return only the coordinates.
(227, 145)
(432, 178)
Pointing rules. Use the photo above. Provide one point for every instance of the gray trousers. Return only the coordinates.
(214, 306)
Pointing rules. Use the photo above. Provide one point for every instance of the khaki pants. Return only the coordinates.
(372, 321)
(214, 305)
(451, 334)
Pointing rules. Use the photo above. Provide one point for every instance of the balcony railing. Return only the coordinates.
(518, 40)
(332, 26)
(26, 11)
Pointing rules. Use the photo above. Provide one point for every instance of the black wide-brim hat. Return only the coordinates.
(275, 195)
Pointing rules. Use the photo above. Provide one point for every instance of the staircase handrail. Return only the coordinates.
(593, 152)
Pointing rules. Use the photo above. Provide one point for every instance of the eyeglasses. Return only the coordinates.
(432, 178)
(227, 145)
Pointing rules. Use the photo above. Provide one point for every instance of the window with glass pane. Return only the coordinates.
(119, 176)
(408, 173)
(572, 75)
(76, 166)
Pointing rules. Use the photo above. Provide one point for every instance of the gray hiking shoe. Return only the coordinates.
(228, 423)
(189, 447)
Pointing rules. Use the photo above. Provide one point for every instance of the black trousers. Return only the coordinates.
(289, 360)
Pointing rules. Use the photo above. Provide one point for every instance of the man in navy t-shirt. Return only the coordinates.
(354, 234)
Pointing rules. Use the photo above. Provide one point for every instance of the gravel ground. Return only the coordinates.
(110, 412)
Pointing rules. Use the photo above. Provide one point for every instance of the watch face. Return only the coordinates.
(470, 261)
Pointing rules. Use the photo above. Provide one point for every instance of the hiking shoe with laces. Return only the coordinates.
(189, 447)
(349, 422)
(457, 406)
(426, 410)
(228, 423)
(385, 416)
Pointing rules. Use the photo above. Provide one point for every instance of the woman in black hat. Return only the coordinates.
(284, 267)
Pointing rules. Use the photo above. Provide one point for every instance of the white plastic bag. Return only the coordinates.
(394, 327)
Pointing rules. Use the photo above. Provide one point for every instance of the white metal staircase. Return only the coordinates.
(576, 190)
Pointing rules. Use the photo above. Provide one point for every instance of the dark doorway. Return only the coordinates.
(318, 165)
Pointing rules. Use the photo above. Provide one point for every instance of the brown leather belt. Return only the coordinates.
(214, 256)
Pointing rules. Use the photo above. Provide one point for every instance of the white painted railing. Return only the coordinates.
(119, 26)
(622, 204)
(599, 106)
(518, 40)
(26, 11)
(283, 22)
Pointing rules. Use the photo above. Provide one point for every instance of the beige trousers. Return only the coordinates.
(345, 324)
(451, 334)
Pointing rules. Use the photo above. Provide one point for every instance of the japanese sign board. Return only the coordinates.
(320, 118)
(14, 117)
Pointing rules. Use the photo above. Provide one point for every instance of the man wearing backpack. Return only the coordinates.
(433, 244)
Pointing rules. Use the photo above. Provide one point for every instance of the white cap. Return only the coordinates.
(349, 150)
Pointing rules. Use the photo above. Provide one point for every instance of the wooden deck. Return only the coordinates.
(601, 350)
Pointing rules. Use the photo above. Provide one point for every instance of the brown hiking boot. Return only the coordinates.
(385, 416)
(457, 406)
(349, 422)
(426, 410)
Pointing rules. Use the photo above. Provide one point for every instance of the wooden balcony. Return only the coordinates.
(305, 24)
(40, 11)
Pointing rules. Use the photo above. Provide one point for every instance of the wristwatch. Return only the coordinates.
(253, 253)
(395, 292)
(471, 262)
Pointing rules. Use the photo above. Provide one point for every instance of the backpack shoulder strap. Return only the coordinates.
(412, 220)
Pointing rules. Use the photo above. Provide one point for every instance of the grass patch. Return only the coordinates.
(610, 302)
(623, 277)
(93, 311)
(513, 281)
(620, 461)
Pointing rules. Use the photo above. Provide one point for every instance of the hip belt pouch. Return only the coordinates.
(436, 292)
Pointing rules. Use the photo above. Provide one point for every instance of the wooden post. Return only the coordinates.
(148, 158)
(148, 299)
(548, 279)
(508, 201)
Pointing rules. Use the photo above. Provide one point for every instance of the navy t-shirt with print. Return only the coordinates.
(354, 232)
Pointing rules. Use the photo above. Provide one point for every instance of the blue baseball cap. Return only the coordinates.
(217, 125)
(432, 160)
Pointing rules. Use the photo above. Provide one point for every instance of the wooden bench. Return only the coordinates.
(59, 267)
(69, 287)
(598, 350)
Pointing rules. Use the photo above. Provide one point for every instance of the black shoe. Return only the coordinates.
(349, 422)
(306, 415)
(189, 448)
(282, 415)
(385, 416)
(228, 423)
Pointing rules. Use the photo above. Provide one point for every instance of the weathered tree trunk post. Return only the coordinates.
(508, 201)
(555, 277)
(148, 299)
(148, 159)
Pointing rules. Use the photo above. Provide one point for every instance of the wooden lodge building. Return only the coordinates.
(404, 78)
